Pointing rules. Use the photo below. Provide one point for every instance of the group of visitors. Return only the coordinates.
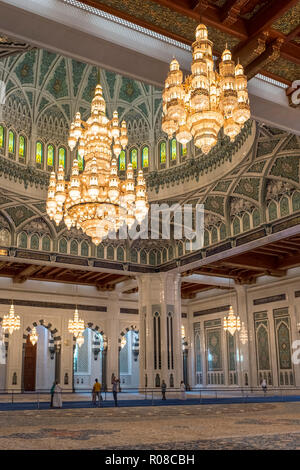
(182, 390)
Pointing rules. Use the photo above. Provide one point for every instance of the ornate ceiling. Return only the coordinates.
(266, 32)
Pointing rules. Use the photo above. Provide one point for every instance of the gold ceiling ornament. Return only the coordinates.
(11, 322)
(243, 334)
(33, 336)
(96, 200)
(208, 99)
(76, 326)
(232, 323)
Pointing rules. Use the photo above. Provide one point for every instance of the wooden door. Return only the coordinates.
(29, 366)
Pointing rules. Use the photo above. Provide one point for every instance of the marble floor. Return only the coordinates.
(235, 426)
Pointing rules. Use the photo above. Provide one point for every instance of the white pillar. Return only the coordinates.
(160, 329)
(113, 333)
(246, 352)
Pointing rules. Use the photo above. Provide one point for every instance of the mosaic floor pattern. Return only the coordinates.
(236, 426)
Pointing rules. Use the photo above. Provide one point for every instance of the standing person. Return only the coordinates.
(182, 390)
(97, 392)
(264, 386)
(52, 394)
(57, 400)
(115, 386)
(163, 390)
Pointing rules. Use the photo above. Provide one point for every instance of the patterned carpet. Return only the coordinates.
(198, 427)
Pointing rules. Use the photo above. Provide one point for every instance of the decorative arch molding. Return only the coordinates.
(124, 331)
(54, 332)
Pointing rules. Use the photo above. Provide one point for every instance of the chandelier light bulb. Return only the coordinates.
(206, 100)
(76, 326)
(33, 336)
(232, 323)
(11, 322)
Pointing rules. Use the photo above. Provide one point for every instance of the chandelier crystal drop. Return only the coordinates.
(243, 334)
(11, 322)
(76, 326)
(207, 100)
(33, 336)
(80, 340)
(123, 342)
(96, 200)
(232, 323)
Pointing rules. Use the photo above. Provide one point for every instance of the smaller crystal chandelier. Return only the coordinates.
(76, 326)
(33, 336)
(80, 339)
(243, 334)
(208, 99)
(232, 323)
(123, 342)
(11, 322)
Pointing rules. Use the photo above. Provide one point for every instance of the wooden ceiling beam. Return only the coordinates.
(290, 262)
(231, 10)
(268, 15)
(291, 52)
(249, 51)
(25, 274)
(270, 55)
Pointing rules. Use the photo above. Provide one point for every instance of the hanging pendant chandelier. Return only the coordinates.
(243, 334)
(33, 336)
(80, 340)
(207, 100)
(123, 342)
(76, 326)
(96, 200)
(11, 322)
(232, 323)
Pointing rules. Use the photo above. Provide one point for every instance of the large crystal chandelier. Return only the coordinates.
(33, 336)
(232, 323)
(76, 326)
(207, 100)
(96, 200)
(11, 322)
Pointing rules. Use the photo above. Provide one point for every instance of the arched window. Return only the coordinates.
(80, 162)
(163, 152)
(110, 252)
(214, 235)
(63, 246)
(2, 137)
(84, 249)
(222, 232)
(11, 142)
(173, 149)
(236, 226)
(120, 254)
(39, 154)
(246, 222)
(170, 252)
(145, 157)
(164, 255)
(272, 210)
(134, 158)
(122, 161)
(46, 243)
(143, 257)
(100, 251)
(256, 218)
(22, 240)
(183, 150)
(206, 237)
(284, 207)
(4, 237)
(22, 148)
(133, 255)
(50, 155)
(296, 201)
(62, 157)
(180, 249)
(74, 248)
(34, 242)
(152, 258)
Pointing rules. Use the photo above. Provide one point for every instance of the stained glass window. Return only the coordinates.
(22, 146)
(133, 158)
(62, 156)
(39, 153)
(163, 152)
(11, 142)
(80, 162)
(1, 137)
(145, 157)
(50, 155)
(183, 149)
(122, 161)
(173, 149)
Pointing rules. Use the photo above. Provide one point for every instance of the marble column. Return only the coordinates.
(160, 330)
(113, 333)
(245, 348)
